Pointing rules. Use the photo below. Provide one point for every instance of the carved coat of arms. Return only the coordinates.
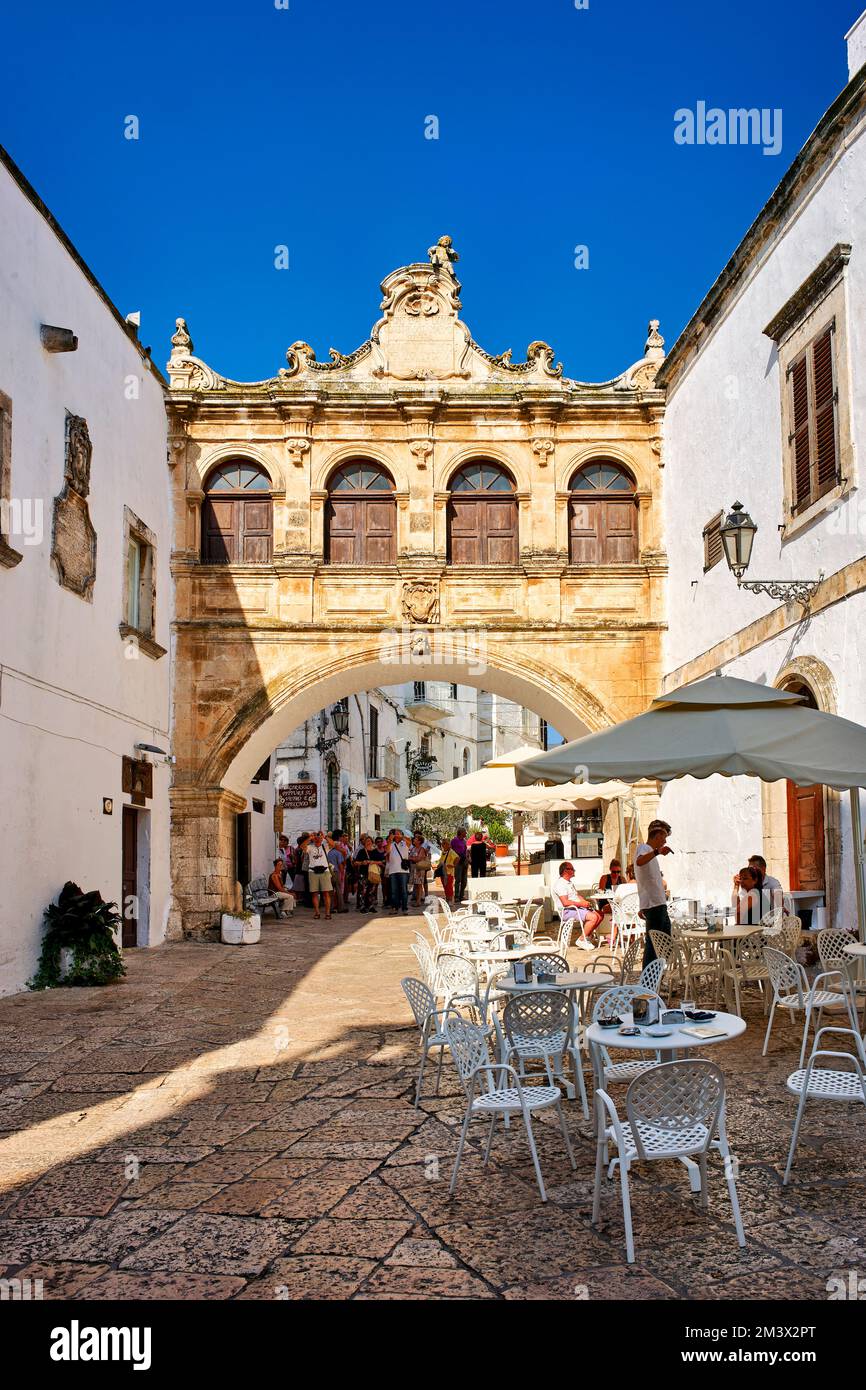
(420, 601)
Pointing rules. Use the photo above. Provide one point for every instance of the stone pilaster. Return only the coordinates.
(203, 857)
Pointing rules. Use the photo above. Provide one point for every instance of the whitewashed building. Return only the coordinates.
(85, 593)
(397, 740)
(766, 406)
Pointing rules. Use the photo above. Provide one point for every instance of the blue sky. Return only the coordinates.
(304, 127)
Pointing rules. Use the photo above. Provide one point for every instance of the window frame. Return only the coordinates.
(602, 495)
(362, 498)
(485, 496)
(139, 635)
(237, 496)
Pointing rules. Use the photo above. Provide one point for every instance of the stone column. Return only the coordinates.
(203, 857)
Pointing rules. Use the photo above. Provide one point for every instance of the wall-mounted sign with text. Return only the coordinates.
(298, 795)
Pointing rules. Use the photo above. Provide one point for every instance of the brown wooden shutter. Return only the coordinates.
(255, 517)
(824, 406)
(800, 433)
(619, 533)
(219, 531)
(713, 548)
(379, 542)
(465, 531)
(585, 543)
(499, 517)
(343, 537)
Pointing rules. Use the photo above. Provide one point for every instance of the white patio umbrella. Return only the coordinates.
(494, 785)
(727, 726)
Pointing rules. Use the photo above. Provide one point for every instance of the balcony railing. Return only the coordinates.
(429, 699)
(383, 768)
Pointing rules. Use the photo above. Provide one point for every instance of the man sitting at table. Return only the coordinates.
(768, 884)
(574, 908)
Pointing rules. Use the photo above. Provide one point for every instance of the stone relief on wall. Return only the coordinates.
(420, 601)
(73, 543)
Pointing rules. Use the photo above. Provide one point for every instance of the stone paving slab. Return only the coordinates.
(238, 1123)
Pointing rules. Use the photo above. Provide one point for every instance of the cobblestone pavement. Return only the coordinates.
(237, 1122)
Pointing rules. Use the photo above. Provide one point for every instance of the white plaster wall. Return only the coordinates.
(723, 442)
(71, 705)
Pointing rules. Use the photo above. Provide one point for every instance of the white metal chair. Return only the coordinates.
(494, 1089)
(422, 1002)
(425, 956)
(701, 966)
(610, 1004)
(743, 966)
(666, 949)
(650, 976)
(793, 994)
(441, 935)
(630, 928)
(831, 943)
(543, 1025)
(675, 1110)
(548, 963)
(827, 1083)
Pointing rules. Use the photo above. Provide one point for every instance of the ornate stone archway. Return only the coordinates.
(260, 647)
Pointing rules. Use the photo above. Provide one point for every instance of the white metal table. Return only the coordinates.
(674, 1041)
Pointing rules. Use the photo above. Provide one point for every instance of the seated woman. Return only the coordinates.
(748, 901)
(277, 886)
(609, 882)
(574, 908)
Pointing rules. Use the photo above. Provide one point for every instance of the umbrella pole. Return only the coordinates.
(859, 879)
(623, 847)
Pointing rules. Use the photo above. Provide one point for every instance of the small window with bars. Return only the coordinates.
(814, 437)
(713, 549)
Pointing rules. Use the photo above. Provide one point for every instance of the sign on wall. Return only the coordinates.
(299, 795)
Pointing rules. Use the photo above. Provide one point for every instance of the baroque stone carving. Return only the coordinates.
(73, 541)
(420, 600)
(422, 302)
(421, 449)
(297, 449)
(443, 255)
(543, 448)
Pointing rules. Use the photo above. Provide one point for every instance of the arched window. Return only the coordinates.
(482, 516)
(237, 515)
(602, 515)
(361, 517)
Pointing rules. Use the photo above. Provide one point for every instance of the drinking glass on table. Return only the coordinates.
(626, 1018)
(688, 1006)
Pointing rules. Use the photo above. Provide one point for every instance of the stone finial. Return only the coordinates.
(654, 348)
(442, 255)
(181, 342)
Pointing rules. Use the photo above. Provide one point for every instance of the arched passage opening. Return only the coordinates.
(210, 789)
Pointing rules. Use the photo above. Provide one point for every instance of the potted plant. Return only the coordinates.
(79, 946)
(242, 928)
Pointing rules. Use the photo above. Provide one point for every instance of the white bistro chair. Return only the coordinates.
(827, 1083)
(542, 1025)
(793, 994)
(675, 1110)
(494, 1089)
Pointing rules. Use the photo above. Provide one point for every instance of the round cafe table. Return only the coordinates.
(575, 982)
(677, 1041)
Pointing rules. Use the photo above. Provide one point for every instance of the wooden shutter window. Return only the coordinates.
(237, 516)
(814, 439)
(361, 516)
(602, 516)
(713, 548)
(825, 413)
(482, 516)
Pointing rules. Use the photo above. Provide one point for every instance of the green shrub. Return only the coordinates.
(85, 924)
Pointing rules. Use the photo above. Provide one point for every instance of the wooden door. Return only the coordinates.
(585, 543)
(237, 531)
(378, 539)
(254, 527)
(806, 838)
(464, 530)
(500, 530)
(361, 531)
(129, 877)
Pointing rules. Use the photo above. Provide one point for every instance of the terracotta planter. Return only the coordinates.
(502, 851)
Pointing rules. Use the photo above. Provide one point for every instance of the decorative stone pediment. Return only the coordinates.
(73, 541)
(419, 338)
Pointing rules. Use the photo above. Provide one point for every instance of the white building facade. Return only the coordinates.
(766, 406)
(85, 594)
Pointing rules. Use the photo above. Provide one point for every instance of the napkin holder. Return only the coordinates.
(645, 1009)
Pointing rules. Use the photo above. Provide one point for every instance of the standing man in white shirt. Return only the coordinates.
(398, 873)
(650, 885)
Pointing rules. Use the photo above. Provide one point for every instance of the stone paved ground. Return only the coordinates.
(238, 1123)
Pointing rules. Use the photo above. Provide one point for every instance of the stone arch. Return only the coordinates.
(275, 710)
(819, 679)
(210, 458)
(599, 450)
(325, 470)
(506, 459)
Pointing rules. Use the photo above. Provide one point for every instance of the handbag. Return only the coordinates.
(424, 865)
(374, 871)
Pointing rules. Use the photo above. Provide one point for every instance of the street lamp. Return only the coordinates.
(340, 718)
(738, 536)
